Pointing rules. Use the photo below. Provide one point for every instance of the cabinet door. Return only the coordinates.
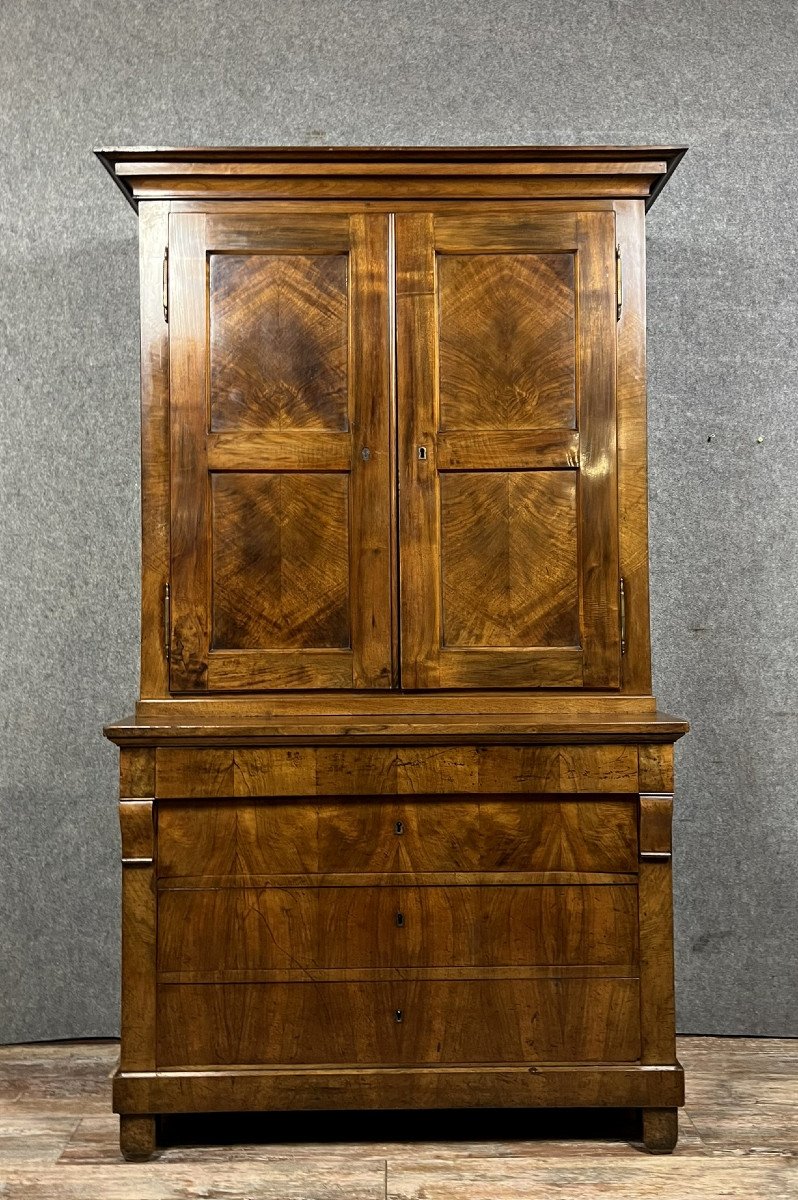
(280, 377)
(507, 450)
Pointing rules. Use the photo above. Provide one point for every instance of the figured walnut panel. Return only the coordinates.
(534, 1020)
(507, 341)
(213, 932)
(379, 770)
(509, 557)
(280, 561)
(278, 341)
(249, 838)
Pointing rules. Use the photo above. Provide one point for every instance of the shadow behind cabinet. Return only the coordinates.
(396, 799)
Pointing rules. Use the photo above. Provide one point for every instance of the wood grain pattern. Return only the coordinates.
(190, 501)
(519, 530)
(139, 948)
(658, 1006)
(269, 929)
(655, 766)
(379, 770)
(632, 447)
(507, 341)
(136, 772)
(278, 342)
(137, 825)
(538, 1020)
(155, 467)
(280, 561)
(273, 837)
(598, 499)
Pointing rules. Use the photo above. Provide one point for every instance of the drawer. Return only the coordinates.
(241, 838)
(212, 932)
(462, 1021)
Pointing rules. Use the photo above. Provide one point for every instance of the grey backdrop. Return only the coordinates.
(722, 332)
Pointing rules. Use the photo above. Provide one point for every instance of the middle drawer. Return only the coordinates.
(276, 929)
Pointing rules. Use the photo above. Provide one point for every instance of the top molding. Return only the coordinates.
(392, 172)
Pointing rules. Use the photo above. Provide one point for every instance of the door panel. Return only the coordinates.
(280, 369)
(508, 509)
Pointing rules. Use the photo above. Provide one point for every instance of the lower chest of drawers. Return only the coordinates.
(412, 930)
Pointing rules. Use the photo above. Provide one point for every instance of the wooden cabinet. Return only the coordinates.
(395, 799)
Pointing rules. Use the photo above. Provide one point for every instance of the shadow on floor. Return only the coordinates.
(439, 1125)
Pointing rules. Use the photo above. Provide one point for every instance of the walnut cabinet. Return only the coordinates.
(396, 798)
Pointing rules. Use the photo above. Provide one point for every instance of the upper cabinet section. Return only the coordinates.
(394, 422)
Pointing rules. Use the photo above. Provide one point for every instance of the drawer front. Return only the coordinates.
(461, 833)
(382, 771)
(469, 1021)
(209, 933)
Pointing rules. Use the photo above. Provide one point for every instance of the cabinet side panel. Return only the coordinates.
(632, 445)
(153, 240)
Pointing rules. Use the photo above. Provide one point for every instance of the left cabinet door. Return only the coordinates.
(280, 403)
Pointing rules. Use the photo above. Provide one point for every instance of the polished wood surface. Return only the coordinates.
(396, 802)
(273, 837)
(279, 929)
(738, 1139)
(417, 1021)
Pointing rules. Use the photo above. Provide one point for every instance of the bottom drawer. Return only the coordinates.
(419, 1021)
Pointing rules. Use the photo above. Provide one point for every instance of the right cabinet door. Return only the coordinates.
(507, 450)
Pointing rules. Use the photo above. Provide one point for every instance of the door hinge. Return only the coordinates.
(622, 613)
(165, 292)
(167, 620)
(618, 283)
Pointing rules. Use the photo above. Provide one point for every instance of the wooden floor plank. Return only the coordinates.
(630, 1179)
(322, 1179)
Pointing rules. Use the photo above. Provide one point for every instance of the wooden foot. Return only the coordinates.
(660, 1129)
(136, 1137)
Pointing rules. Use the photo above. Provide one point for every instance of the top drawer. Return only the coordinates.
(239, 839)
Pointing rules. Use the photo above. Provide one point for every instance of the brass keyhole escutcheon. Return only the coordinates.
(422, 453)
(399, 828)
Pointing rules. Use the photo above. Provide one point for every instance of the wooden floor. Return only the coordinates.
(738, 1138)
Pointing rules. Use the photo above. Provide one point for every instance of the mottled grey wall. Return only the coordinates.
(719, 76)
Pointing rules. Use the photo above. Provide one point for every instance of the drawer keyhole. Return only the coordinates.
(399, 1016)
(400, 919)
(399, 828)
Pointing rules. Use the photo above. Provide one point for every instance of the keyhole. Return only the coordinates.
(399, 828)
(399, 1015)
(365, 454)
(422, 453)
(400, 919)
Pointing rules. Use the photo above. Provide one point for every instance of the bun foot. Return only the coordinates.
(660, 1129)
(136, 1137)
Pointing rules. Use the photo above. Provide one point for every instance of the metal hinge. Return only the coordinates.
(618, 283)
(165, 293)
(167, 618)
(622, 612)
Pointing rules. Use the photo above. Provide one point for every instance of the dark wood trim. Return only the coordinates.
(330, 171)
